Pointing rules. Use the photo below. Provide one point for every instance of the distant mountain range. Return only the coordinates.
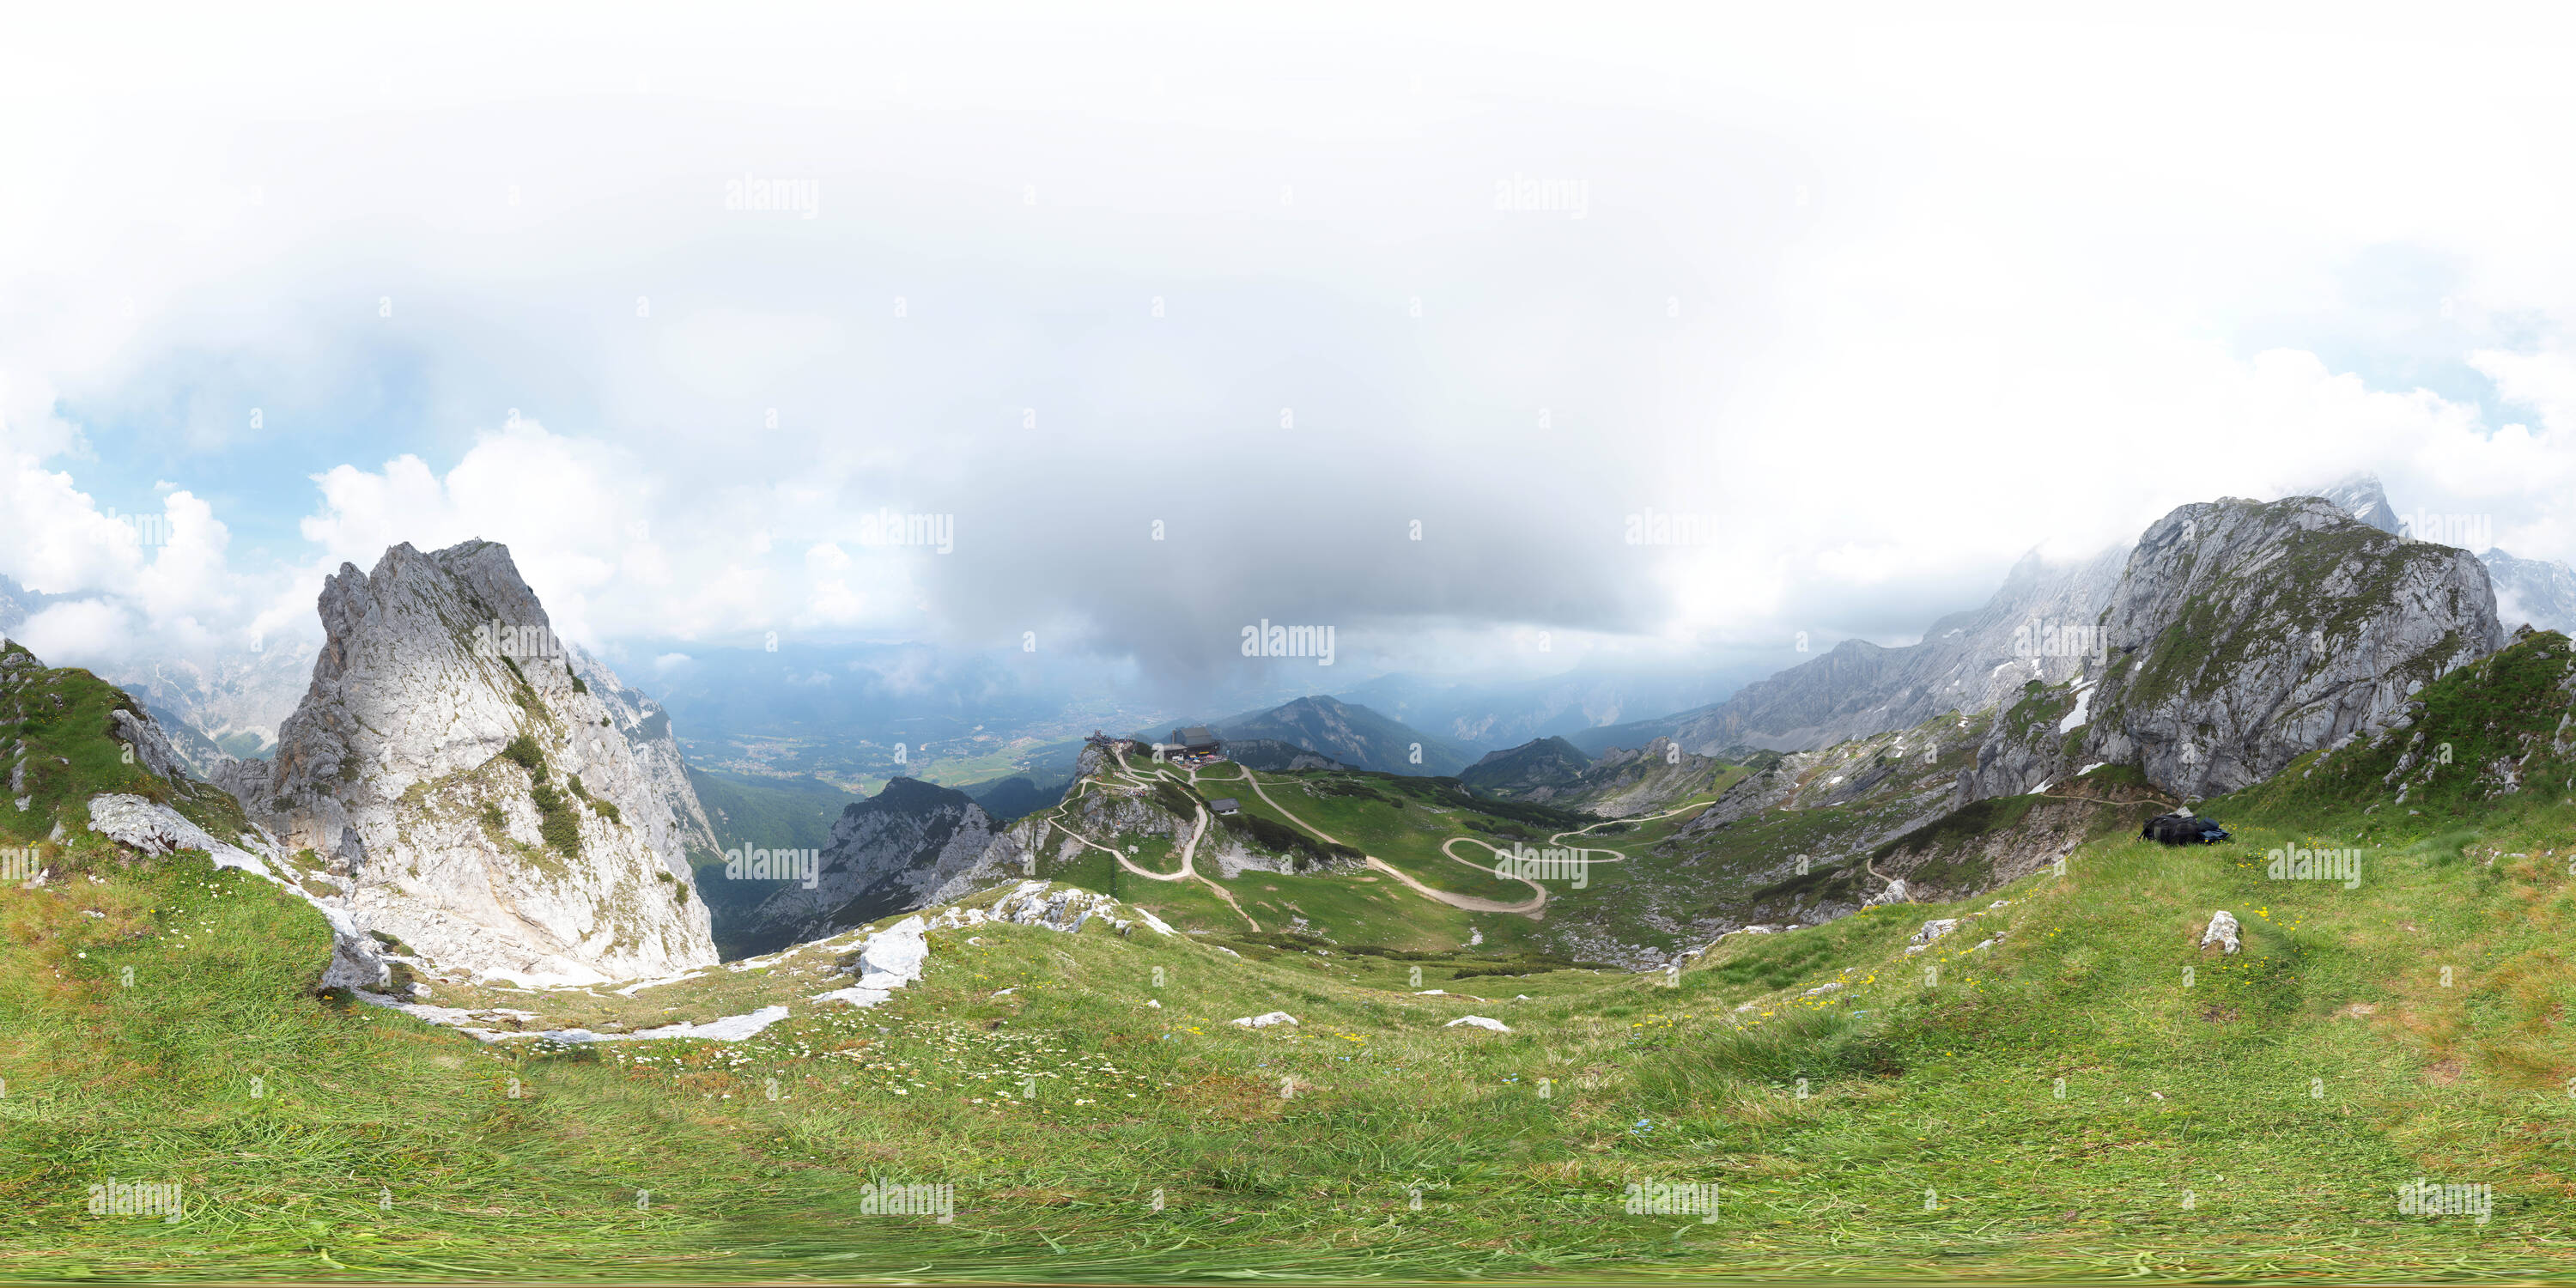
(2041, 625)
(1498, 716)
(1621, 783)
(1511, 773)
(1354, 735)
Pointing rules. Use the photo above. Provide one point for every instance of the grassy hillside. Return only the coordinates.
(2066, 1084)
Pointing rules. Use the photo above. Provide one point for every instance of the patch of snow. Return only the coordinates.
(2083, 702)
(1480, 1022)
(1432, 992)
(2090, 768)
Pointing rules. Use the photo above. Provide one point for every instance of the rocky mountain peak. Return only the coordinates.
(2359, 496)
(474, 789)
(2242, 635)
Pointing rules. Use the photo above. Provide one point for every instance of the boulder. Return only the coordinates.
(2222, 931)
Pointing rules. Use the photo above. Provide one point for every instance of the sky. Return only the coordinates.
(1411, 321)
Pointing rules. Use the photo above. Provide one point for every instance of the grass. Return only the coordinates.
(2066, 1086)
(1950, 1088)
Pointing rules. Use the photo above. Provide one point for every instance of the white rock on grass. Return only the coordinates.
(2222, 931)
(1480, 1022)
(892, 957)
(154, 828)
(1265, 1020)
(1935, 929)
(854, 996)
(732, 1028)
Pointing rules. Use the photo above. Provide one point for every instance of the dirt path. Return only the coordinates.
(1535, 908)
(1188, 872)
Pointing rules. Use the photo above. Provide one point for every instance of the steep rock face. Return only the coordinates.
(2242, 636)
(542, 864)
(2537, 592)
(1646, 780)
(2039, 626)
(679, 831)
(911, 845)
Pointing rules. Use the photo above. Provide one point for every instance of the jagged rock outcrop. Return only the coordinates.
(2241, 636)
(470, 792)
(2534, 592)
(681, 832)
(2040, 626)
(911, 845)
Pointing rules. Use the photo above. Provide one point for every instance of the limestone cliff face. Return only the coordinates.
(2243, 635)
(679, 831)
(912, 845)
(482, 803)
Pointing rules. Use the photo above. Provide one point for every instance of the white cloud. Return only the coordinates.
(2047, 282)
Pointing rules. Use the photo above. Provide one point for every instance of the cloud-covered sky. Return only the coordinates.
(1399, 320)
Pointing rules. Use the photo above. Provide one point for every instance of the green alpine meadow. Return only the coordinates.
(1119, 642)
